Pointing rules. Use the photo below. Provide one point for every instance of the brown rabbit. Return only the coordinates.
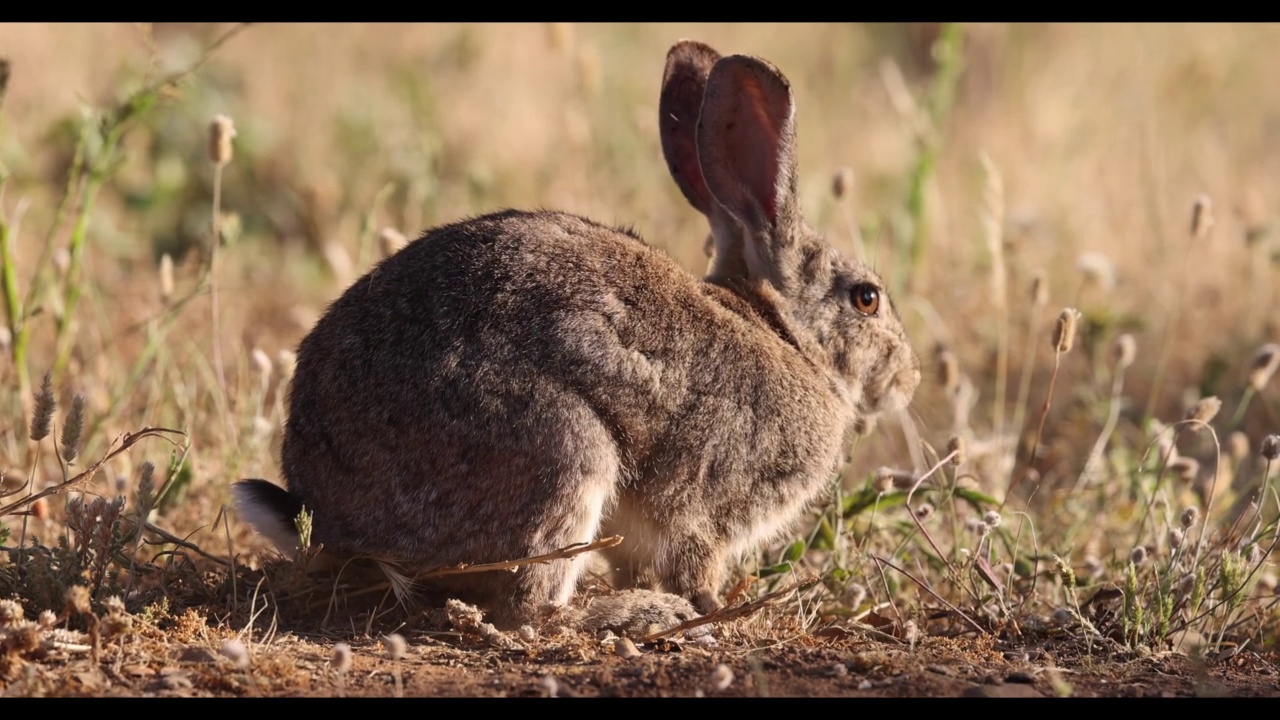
(519, 382)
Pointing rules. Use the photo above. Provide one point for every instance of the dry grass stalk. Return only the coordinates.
(726, 614)
(1063, 338)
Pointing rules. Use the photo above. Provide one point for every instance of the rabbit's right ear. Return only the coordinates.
(746, 149)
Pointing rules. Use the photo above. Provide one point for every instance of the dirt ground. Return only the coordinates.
(187, 659)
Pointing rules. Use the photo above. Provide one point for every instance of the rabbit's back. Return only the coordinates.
(437, 402)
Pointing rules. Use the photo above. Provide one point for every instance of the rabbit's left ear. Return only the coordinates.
(746, 148)
(684, 81)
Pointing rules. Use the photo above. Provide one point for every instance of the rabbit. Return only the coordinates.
(515, 383)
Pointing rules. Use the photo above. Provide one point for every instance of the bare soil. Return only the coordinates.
(185, 659)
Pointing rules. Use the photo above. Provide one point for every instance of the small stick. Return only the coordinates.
(511, 565)
(726, 613)
(935, 595)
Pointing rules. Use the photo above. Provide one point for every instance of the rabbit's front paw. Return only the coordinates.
(637, 612)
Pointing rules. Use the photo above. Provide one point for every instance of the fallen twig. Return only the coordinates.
(511, 565)
(731, 613)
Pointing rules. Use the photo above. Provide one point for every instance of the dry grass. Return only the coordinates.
(1128, 166)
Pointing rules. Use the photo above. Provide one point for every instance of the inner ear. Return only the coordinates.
(746, 138)
(684, 81)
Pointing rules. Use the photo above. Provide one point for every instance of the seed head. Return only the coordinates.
(910, 632)
(42, 415)
(1189, 517)
(721, 677)
(904, 480)
(854, 595)
(1124, 351)
(1175, 538)
(395, 646)
(390, 241)
(1065, 572)
(883, 481)
(842, 182)
(924, 512)
(237, 653)
(956, 448)
(288, 361)
(11, 613)
(341, 660)
(40, 509)
(1270, 448)
(1097, 269)
(1264, 365)
(221, 131)
(47, 619)
(71, 429)
(1064, 332)
(262, 361)
(1238, 446)
(166, 277)
(1204, 410)
(1201, 217)
(1138, 556)
(992, 519)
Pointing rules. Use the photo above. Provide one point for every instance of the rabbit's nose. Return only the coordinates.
(908, 378)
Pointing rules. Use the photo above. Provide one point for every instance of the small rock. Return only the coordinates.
(550, 686)
(839, 670)
(176, 681)
(864, 685)
(624, 648)
(527, 633)
(944, 670)
(721, 677)
(705, 640)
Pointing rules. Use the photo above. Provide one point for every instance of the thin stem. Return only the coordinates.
(1035, 444)
(1109, 427)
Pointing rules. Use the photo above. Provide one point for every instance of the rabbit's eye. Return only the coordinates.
(866, 298)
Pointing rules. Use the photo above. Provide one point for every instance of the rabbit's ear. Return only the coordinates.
(746, 148)
(683, 83)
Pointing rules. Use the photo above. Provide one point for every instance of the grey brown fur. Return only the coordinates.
(512, 384)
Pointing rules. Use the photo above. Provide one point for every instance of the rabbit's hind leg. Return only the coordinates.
(563, 511)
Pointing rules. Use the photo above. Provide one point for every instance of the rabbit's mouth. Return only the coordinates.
(890, 392)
